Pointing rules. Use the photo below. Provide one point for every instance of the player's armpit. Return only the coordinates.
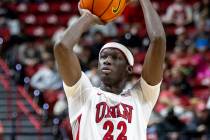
(150, 93)
(146, 92)
(72, 90)
(81, 88)
(78, 95)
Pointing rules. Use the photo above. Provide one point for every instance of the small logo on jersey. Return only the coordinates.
(126, 94)
(118, 111)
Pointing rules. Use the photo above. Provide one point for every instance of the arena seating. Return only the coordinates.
(43, 19)
(19, 114)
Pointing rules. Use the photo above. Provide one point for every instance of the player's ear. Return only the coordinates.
(130, 69)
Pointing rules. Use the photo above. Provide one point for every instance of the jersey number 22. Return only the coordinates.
(109, 126)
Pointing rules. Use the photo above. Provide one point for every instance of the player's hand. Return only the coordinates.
(96, 19)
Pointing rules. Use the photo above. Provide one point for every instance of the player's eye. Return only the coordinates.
(114, 57)
(103, 56)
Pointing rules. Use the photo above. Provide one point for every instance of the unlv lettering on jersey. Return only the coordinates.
(119, 110)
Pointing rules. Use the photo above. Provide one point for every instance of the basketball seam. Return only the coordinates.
(106, 8)
(114, 15)
(92, 7)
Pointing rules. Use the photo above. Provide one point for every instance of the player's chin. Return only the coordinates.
(106, 76)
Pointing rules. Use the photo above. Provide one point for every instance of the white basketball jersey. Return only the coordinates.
(99, 115)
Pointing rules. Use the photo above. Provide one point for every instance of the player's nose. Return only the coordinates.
(107, 61)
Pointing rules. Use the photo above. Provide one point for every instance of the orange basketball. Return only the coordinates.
(106, 10)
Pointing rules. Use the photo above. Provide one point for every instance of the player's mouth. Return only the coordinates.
(106, 70)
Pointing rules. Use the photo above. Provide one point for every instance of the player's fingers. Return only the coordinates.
(81, 10)
(97, 19)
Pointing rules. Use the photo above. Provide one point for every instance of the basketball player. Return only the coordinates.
(109, 112)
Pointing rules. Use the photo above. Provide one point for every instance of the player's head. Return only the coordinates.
(115, 63)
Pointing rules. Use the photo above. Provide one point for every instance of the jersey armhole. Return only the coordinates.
(71, 90)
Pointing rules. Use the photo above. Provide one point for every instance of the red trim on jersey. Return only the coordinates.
(78, 119)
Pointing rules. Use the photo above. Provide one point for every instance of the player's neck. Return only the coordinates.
(116, 89)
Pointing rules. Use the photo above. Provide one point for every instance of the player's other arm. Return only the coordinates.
(153, 65)
(68, 63)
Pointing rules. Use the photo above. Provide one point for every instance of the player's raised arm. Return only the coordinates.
(153, 65)
(68, 63)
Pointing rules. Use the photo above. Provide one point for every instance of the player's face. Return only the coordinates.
(112, 66)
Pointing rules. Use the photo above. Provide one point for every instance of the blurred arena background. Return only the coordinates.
(32, 102)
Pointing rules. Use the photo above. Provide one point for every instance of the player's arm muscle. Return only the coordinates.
(68, 63)
(153, 65)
